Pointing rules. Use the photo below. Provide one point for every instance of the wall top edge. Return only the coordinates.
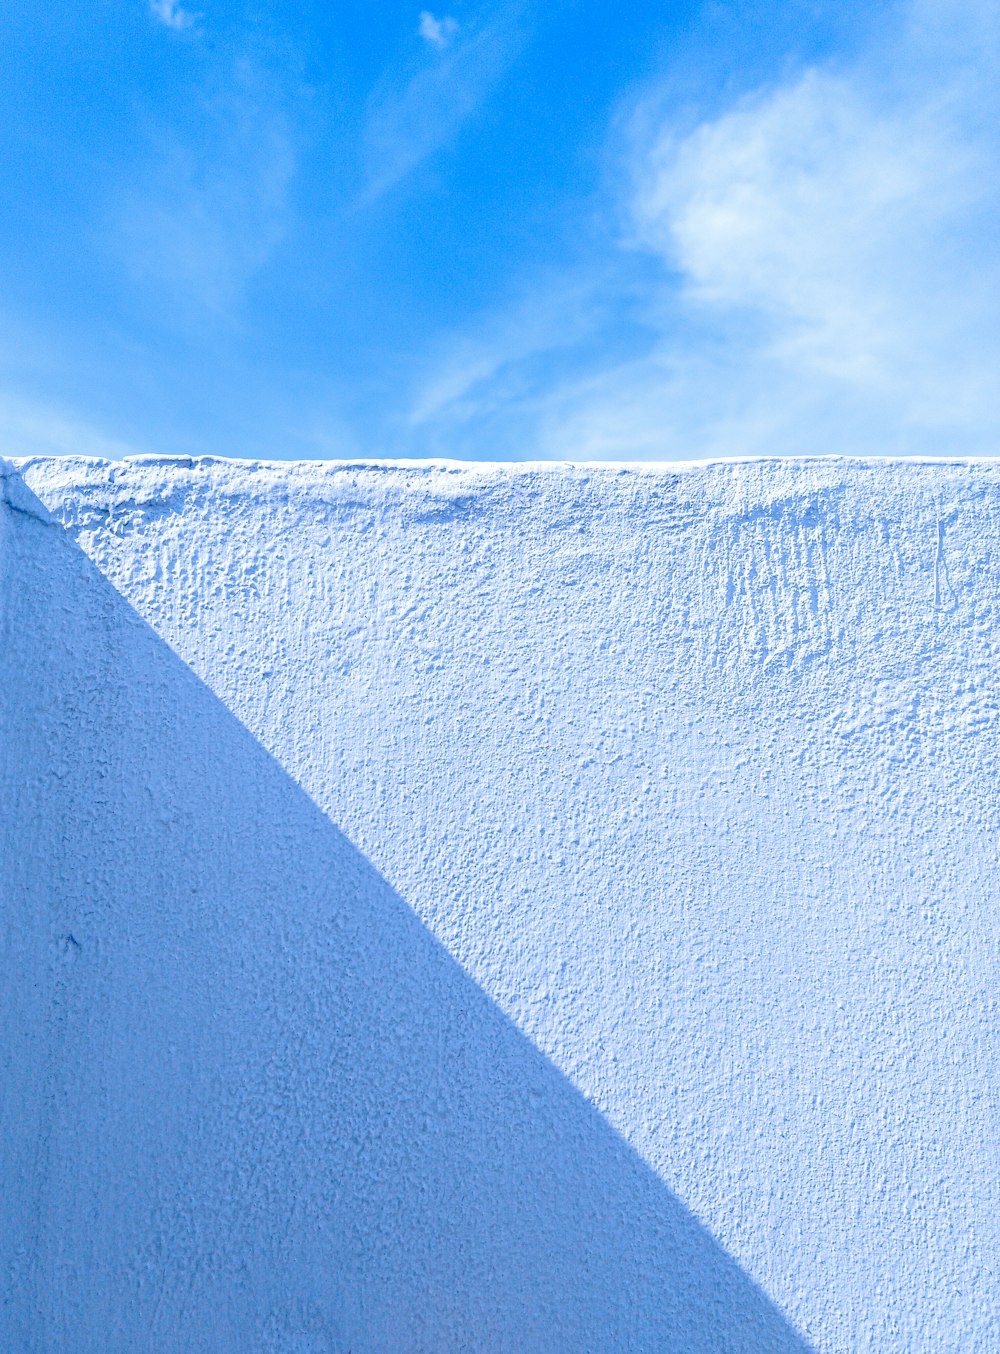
(318, 466)
(66, 486)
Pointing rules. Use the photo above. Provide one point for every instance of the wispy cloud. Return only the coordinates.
(824, 268)
(438, 32)
(31, 427)
(410, 118)
(213, 203)
(170, 13)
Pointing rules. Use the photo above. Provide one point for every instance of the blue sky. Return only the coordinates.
(504, 231)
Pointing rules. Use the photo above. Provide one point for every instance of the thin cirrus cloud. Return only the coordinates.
(35, 427)
(823, 273)
(412, 117)
(212, 204)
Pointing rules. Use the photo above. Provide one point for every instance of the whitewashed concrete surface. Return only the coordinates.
(523, 908)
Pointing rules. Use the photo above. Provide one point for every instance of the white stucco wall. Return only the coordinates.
(500, 908)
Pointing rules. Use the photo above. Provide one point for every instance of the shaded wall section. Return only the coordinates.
(499, 909)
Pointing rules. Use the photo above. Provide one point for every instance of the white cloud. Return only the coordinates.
(438, 32)
(171, 14)
(829, 267)
(849, 228)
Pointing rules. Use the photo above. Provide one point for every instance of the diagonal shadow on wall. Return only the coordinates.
(250, 1103)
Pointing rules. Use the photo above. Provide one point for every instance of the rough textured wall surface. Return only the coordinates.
(500, 908)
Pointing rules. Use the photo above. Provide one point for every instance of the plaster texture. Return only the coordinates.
(475, 908)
